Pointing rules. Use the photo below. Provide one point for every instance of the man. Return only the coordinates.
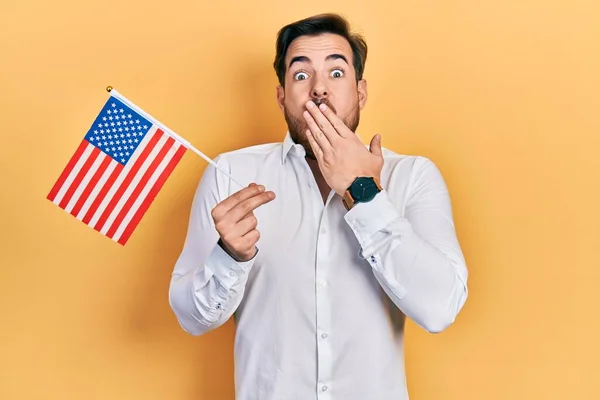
(352, 239)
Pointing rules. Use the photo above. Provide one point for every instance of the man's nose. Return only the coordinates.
(319, 89)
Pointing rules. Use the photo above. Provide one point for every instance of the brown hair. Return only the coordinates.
(313, 26)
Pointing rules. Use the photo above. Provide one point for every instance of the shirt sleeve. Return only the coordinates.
(415, 256)
(207, 285)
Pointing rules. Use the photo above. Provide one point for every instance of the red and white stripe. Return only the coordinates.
(110, 197)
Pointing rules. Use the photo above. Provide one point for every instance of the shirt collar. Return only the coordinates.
(289, 147)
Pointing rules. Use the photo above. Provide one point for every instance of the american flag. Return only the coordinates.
(117, 170)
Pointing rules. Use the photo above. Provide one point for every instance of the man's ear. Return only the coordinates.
(362, 93)
(281, 97)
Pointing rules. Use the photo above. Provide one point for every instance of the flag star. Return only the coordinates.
(112, 124)
(127, 153)
(118, 123)
(140, 127)
(129, 116)
(128, 134)
(121, 154)
(113, 149)
(114, 130)
(122, 160)
(119, 148)
(105, 144)
(109, 112)
(127, 128)
(104, 118)
(145, 126)
(103, 137)
(99, 125)
(120, 129)
(110, 136)
(92, 138)
(117, 117)
(113, 104)
(95, 132)
(122, 111)
(111, 118)
(117, 141)
(135, 140)
(101, 130)
(137, 121)
(131, 147)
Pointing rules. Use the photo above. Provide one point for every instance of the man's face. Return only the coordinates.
(320, 68)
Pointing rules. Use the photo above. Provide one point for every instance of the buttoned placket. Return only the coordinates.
(322, 291)
(323, 306)
(323, 302)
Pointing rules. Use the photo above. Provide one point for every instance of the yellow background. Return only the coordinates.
(502, 95)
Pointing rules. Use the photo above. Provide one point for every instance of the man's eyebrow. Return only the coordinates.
(329, 58)
(299, 59)
(337, 57)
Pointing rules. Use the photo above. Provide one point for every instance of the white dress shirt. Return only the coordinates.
(320, 310)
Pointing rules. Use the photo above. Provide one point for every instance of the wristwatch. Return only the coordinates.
(362, 190)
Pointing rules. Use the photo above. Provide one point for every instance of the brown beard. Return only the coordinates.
(298, 126)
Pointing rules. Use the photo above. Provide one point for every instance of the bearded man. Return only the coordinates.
(331, 247)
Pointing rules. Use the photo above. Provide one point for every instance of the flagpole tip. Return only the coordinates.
(109, 89)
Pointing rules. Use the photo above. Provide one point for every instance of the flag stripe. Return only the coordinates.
(72, 173)
(128, 185)
(120, 184)
(84, 182)
(140, 185)
(151, 195)
(79, 177)
(63, 176)
(108, 171)
(92, 184)
(102, 194)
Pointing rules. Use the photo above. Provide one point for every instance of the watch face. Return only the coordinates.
(363, 189)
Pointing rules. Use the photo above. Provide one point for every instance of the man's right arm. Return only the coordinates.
(207, 284)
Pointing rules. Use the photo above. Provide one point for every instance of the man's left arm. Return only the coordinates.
(415, 257)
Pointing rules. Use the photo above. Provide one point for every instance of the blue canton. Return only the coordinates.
(118, 130)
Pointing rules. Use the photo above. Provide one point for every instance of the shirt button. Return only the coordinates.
(324, 388)
(323, 283)
(323, 231)
(231, 273)
(324, 336)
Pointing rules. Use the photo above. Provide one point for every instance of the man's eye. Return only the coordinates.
(337, 73)
(300, 76)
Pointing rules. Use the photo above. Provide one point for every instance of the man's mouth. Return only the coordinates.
(324, 101)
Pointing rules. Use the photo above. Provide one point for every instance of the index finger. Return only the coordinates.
(339, 125)
(241, 210)
(223, 207)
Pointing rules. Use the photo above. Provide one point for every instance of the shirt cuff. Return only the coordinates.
(366, 219)
(227, 270)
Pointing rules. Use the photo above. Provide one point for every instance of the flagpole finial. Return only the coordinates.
(109, 88)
